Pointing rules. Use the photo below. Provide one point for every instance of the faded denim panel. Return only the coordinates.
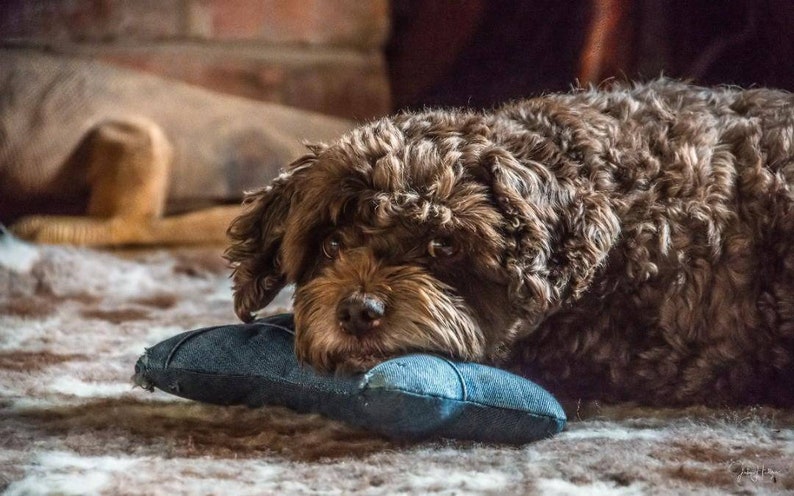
(414, 396)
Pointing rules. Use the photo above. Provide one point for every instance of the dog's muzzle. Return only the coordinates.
(359, 313)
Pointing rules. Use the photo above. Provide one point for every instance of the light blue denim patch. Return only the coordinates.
(410, 397)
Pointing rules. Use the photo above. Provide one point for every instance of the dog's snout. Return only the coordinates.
(359, 314)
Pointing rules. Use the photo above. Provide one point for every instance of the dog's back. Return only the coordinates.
(695, 300)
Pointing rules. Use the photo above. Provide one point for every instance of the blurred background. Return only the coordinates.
(364, 58)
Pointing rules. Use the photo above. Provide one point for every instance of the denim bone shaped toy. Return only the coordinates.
(409, 397)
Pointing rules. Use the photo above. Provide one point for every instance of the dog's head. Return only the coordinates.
(413, 233)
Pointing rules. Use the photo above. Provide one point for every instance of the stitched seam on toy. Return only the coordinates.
(201, 331)
(460, 378)
(263, 321)
(276, 326)
(279, 381)
(468, 402)
(181, 342)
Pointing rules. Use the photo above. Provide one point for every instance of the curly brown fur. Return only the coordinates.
(629, 244)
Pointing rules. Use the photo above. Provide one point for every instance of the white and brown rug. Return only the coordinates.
(74, 321)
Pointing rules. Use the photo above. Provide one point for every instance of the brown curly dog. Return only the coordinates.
(624, 244)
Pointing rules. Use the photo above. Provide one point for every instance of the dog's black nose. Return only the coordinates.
(360, 313)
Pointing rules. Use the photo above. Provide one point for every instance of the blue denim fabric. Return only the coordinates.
(413, 396)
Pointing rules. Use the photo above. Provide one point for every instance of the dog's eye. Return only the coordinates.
(441, 247)
(331, 246)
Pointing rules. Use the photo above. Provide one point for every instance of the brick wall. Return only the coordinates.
(321, 55)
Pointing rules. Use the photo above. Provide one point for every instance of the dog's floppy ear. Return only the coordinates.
(256, 236)
(528, 235)
(558, 236)
(589, 229)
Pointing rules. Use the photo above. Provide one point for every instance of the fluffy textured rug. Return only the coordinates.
(73, 322)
